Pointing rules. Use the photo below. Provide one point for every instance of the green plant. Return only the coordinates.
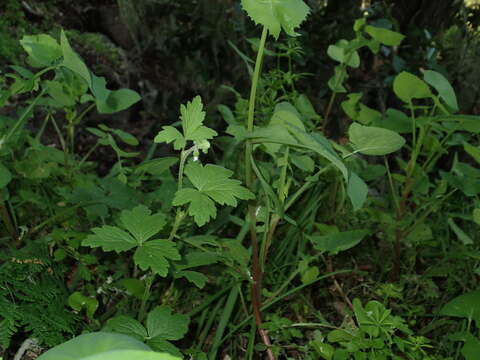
(38, 305)
(133, 241)
(465, 306)
(32, 298)
(377, 335)
(161, 326)
(103, 345)
(346, 53)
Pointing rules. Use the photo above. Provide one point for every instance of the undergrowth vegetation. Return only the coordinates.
(263, 235)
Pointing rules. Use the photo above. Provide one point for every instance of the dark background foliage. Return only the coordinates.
(170, 51)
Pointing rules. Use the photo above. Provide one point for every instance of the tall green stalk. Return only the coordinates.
(251, 107)
(256, 268)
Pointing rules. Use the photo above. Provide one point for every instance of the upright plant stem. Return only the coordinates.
(24, 115)
(256, 268)
(327, 112)
(7, 220)
(146, 294)
(180, 215)
(407, 189)
(251, 107)
(71, 127)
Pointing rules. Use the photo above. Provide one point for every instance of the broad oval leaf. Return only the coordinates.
(109, 101)
(395, 120)
(408, 86)
(42, 49)
(5, 176)
(72, 61)
(466, 306)
(385, 36)
(305, 107)
(336, 242)
(443, 87)
(118, 100)
(357, 191)
(83, 346)
(276, 15)
(284, 116)
(127, 138)
(131, 355)
(370, 140)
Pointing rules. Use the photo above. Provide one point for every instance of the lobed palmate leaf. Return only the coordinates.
(192, 116)
(141, 226)
(162, 324)
(277, 14)
(212, 185)
(154, 254)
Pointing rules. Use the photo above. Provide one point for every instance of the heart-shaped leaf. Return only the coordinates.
(408, 86)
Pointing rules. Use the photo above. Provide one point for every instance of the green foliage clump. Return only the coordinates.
(12, 22)
(33, 298)
(260, 234)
